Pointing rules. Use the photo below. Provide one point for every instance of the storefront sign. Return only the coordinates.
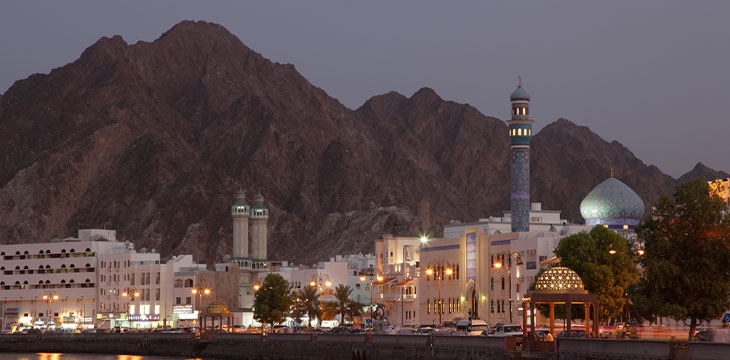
(182, 309)
(143, 317)
(12, 312)
(69, 319)
(192, 316)
(471, 257)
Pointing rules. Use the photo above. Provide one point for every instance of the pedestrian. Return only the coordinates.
(549, 337)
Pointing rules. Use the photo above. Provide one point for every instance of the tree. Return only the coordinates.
(605, 273)
(686, 269)
(307, 303)
(344, 306)
(272, 302)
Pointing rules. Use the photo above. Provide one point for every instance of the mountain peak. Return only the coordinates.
(426, 94)
(703, 171)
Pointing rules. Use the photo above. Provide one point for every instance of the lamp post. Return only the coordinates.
(437, 266)
(498, 265)
(200, 291)
(50, 298)
(319, 279)
(372, 275)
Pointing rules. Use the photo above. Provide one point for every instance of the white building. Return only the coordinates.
(86, 281)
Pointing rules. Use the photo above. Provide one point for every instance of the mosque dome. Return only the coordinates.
(612, 203)
(217, 307)
(519, 94)
(559, 280)
(259, 199)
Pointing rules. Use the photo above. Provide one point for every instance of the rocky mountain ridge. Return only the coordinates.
(153, 139)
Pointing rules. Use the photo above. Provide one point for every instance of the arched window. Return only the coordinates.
(2, 253)
(17, 253)
(48, 266)
(2, 268)
(48, 281)
(17, 268)
(519, 132)
(17, 283)
(25, 252)
(48, 251)
(25, 267)
(72, 250)
(63, 251)
(88, 265)
(88, 250)
(63, 266)
(25, 282)
(502, 282)
(529, 132)
(40, 281)
(87, 281)
(2, 283)
(71, 281)
(72, 265)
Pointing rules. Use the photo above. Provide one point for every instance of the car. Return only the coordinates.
(407, 331)
(507, 330)
(340, 330)
(578, 333)
(34, 331)
(424, 330)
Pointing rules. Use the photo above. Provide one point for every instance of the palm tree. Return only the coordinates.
(307, 302)
(345, 306)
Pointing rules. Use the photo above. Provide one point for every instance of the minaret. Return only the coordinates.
(240, 212)
(260, 218)
(520, 133)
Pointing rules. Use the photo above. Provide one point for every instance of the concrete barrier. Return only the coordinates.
(619, 348)
(492, 342)
(709, 351)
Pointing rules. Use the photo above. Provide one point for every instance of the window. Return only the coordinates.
(502, 282)
(492, 306)
(131, 279)
(491, 284)
(178, 301)
(187, 301)
(519, 132)
(503, 306)
(492, 260)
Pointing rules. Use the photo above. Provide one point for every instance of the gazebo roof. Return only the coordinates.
(559, 280)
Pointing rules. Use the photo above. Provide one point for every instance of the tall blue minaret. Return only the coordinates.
(520, 133)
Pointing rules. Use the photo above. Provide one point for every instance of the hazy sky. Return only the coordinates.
(653, 75)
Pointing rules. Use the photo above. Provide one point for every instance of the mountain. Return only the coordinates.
(704, 172)
(153, 139)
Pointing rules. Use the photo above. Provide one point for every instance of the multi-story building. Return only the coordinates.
(56, 282)
(398, 260)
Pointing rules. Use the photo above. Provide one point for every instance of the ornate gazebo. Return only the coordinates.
(216, 310)
(560, 285)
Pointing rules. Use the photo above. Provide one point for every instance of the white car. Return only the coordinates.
(507, 330)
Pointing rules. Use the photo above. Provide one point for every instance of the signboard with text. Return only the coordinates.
(471, 257)
(182, 309)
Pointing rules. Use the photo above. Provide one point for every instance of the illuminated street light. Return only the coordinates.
(424, 239)
(641, 251)
(256, 287)
(372, 274)
(430, 270)
(320, 279)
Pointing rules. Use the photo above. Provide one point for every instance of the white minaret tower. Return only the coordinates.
(260, 219)
(240, 212)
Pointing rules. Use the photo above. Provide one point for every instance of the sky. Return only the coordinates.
(652, 75)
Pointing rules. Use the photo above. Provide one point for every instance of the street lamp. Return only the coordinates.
(372, 274)
(50, 298)
(499, 265)
(200, 291)
(438, 267)
(424, 239)
(132, 296)
(320, 279)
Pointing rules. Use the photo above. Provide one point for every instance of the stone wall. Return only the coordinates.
(360, 347)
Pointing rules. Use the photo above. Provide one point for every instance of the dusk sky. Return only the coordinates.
(653, 75)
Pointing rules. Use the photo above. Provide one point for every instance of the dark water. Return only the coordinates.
(59, 356)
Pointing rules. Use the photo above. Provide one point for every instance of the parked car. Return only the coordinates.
(579, 333)
(407, 331)
(507, 330)
(472, 327)
(340, 330)
(424, 330)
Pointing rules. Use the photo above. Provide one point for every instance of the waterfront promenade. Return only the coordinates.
(333, 346)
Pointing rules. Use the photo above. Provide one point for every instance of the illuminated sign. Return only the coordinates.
(471, 257)
(12, 312)
(143, 317)
(182, 309)
(721, 188)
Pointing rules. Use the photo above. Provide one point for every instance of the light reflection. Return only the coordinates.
(49, 356)
(129, 357)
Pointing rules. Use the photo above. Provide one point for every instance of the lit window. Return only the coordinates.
(519, 132)
(530, 132)
(626, 227)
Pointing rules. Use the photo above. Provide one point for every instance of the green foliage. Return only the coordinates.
(306, 302)
(604, 274)
(686, 268)
(273, 301)
(343, 305)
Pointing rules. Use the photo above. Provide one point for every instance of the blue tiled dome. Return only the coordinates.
(519, 94)
(612, 203)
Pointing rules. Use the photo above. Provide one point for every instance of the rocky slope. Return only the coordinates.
(153, 139)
